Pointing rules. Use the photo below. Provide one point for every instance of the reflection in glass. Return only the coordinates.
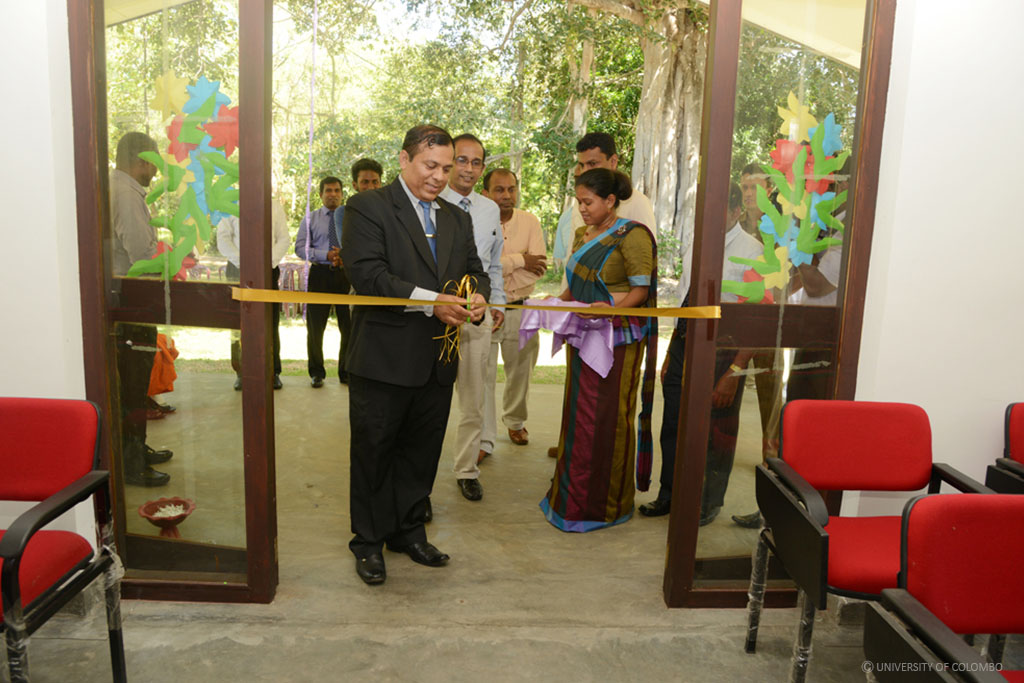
(173, 133)
(794, 124)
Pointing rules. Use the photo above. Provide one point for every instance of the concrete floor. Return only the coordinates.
(519, 601)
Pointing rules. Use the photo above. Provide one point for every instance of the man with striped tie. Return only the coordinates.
(475, 345)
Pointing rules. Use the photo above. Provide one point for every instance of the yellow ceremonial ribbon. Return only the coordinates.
(291, 297)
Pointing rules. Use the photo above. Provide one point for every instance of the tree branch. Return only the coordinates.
(512, 23)
(624, 10)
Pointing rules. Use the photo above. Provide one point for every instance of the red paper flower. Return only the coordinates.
(811, 184)
(223, 131)
(784, 155)
(180, 150)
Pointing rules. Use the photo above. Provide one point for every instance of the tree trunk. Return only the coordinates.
(666, 157)
(581, 74)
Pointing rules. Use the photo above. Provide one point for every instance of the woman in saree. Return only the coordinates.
(614, 263)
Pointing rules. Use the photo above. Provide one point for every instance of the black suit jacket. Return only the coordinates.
(386, 253)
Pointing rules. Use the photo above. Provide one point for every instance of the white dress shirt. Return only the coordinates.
(228, 236)
(488, 236)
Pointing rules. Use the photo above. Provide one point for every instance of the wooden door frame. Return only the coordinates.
(86, 40)
(844, 323)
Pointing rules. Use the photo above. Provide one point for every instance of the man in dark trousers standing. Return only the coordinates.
(319, 242)
(403, 241)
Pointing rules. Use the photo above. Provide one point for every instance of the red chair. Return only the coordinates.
(838, 446)
(49, 453)
(959, 574)
(1007, 475)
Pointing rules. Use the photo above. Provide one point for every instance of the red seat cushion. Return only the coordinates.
(49, 556)
(47, 444)
(964, 555)
(1015, 432)
(863, 553)
(857, 445)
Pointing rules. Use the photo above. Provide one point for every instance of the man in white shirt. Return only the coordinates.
(228, 243)
(597, 150)
(523, 262)
(475, 342)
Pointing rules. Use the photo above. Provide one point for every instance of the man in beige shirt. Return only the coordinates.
(523, 262)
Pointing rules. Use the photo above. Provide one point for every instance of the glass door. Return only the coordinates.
(191, 456)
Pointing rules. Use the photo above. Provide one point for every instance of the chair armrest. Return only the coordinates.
(938, 637)
(941, 472)
(804, 492)
(1010, 466)
(13, 543)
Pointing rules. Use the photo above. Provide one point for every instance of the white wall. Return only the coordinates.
(944, 318)
(41, 342)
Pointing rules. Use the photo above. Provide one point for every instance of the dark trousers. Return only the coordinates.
(722, 431)
(324, 278)
(136, 346)
(810, 382)
(396, 440)
(231, 272)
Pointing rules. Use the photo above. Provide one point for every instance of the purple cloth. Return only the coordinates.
(592, 337)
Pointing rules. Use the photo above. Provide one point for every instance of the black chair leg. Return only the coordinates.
(112, 594)
(804, 633)
(17, 646)
(755, 594)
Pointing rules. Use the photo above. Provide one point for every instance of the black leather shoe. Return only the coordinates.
(708, 516)
(156, 457)
(316, 382)
(147, 477)
(277, 382)
(238, 383)
(428, 512)
(656, 508)
(164, 408)
(751, 521)
(423, 553)
(371, 569)
(471, 489)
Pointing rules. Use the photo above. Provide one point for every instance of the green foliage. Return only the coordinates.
(769, 68)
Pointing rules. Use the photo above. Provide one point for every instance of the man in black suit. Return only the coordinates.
(403, 241)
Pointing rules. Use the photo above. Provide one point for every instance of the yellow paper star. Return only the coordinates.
(780, 279)
(170, 95)
(788, 208)
(796, 120)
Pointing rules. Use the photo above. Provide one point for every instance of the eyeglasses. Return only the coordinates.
(464, 161)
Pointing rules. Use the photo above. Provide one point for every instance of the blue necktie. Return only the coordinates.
(332, 234)
(464, 204)
(428, 229)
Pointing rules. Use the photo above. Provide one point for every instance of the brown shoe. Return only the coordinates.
(553, 452)
(519, 437)
(480, 457)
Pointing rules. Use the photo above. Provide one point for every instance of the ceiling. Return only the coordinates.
(834, 28)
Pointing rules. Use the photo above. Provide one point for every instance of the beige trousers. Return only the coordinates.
(519, 366)
(474, 345)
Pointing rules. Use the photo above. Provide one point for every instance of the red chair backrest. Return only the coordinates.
(45, 445)
(857, 445)
(1015, 432)
(962, 560)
